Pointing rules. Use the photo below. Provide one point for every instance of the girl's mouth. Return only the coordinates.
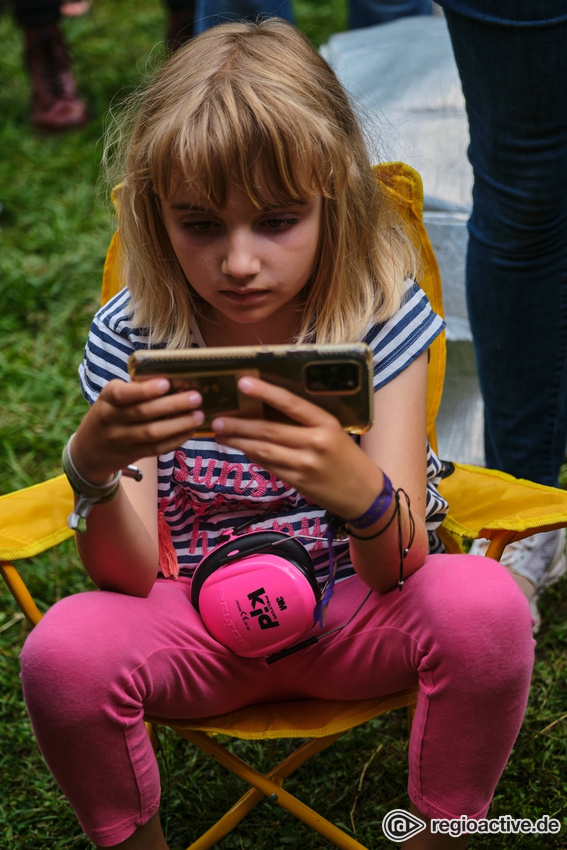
(245, 296)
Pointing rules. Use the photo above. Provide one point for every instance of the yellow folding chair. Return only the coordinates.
(483, 503)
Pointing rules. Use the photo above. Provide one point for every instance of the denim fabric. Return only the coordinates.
(522, 13)
(211, 12)
(367, 13)
(514, 81)
(362, 13)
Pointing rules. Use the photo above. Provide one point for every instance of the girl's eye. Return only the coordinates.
(279, 223)
(198, 226)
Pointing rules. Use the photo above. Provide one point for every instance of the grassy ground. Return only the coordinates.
(54, 228)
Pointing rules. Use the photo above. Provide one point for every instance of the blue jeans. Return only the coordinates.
(362, 13)
(514, 80)
(367, 13)
(211, 12)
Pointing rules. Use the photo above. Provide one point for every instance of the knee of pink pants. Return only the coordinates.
(475, 663)
(73, 678)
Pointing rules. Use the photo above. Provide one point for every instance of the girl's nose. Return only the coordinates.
(240, 257)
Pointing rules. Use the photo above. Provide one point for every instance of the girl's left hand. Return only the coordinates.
(316, 456)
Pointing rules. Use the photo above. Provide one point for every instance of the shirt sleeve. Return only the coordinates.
(110, 342)
(400, 340)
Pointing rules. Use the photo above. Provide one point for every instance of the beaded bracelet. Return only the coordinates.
(91, 494)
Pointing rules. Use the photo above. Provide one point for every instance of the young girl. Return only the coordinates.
(249, 214)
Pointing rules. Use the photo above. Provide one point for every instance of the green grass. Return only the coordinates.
(54, 229)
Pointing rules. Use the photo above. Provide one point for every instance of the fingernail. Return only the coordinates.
(245, 383)
(162, 385)
(198, 416)
(217, 425)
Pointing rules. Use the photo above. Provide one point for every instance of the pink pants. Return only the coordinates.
(97, 661)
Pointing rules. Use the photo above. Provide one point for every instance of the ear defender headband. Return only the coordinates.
(256, 593)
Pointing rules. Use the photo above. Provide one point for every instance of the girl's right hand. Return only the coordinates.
(130, 421)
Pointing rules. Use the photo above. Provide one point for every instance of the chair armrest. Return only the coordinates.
(35, 519)
(491, 504)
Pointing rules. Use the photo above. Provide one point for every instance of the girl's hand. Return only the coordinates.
(316, 456)
(327, 466)
(130, 421)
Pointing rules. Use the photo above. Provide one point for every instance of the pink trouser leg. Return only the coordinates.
(91, 668)
(97, 661)
(461, 629)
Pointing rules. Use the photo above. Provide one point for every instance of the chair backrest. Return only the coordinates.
(404, 187)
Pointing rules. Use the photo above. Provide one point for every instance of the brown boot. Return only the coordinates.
(180, 29)
(55, 105)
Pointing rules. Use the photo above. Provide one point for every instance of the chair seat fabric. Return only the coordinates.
(295, 719)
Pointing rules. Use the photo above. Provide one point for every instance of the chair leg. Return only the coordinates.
(20, 593)
(253, 796)
(151, 730)
(267, 786)
(498, 543)
(228, 821)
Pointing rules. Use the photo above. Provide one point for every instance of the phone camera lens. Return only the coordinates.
(332, 377)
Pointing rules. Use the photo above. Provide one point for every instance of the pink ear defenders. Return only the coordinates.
(256, 594)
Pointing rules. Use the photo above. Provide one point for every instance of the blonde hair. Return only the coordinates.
(245, 98)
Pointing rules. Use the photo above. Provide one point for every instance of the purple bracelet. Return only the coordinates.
(377, 509)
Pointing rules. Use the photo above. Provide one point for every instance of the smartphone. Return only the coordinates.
(336, 377)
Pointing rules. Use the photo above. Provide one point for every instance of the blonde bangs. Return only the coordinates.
(236, 138)
(255, 105)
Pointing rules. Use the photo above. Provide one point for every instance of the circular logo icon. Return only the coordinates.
(399, 825)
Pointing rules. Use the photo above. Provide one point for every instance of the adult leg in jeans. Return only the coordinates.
(514, 80)
(367, 13)
(55, 104)
(212, 12)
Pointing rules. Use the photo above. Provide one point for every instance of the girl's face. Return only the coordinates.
(249, 266)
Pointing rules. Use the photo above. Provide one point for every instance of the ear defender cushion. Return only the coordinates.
(256, 593)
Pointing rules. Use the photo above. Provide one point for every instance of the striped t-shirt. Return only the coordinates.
(206, 490)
